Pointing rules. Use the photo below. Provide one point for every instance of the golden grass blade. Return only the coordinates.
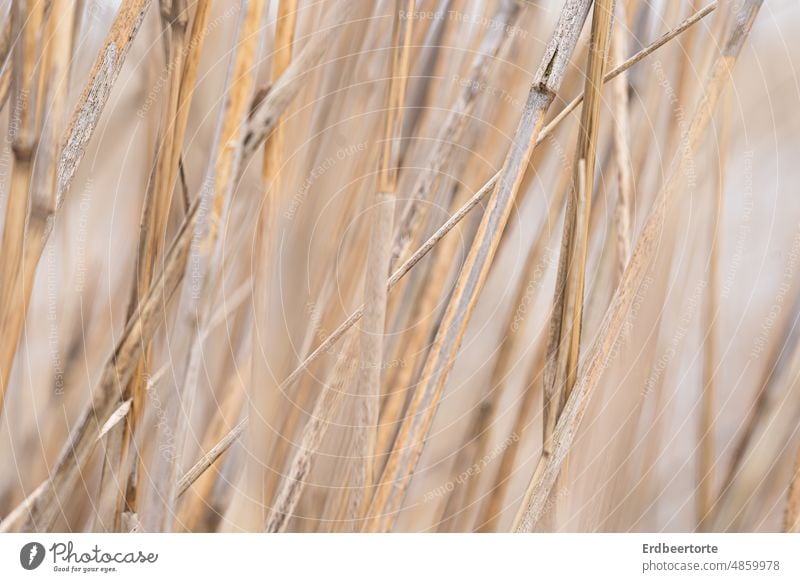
(563, 348)
(263, 119)
(27, 18)
(492, 509)
(477, 438)
(117, 372)
(493, 42)
(485, 189)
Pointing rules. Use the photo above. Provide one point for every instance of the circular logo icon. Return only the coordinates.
(31, 555)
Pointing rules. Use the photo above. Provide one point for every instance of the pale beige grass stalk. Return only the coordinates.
(266, 227)
(791, 519)
(622, 155)
(26, 22)
(325, 408)
(370, 369)
(563, 348)
(706, 484)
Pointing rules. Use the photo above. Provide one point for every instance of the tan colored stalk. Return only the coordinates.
(791, 519)
(622, 154)
(195, 506)
(266, 228)
(482, 192)
(706, 486)
(684, 87)
(118, 371)
(27, 17)
(5, 63)
(368, 382)
(425, 304)
(43, 505)
(300, 396)
(281, 58)
(66, 473)
(779, 362)
(263, 119)
(402, 462)
(493, 45)
(97, 90)
(245, 512)
(594, 364)
(563, 348)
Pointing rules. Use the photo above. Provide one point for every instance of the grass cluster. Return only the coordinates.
(432, 265)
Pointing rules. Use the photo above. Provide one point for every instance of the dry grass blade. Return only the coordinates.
(368, 382)
(563, 348)
(263, 118)
(622, 156)
(491, 511)
(98, 88)
(477, 438)
(493, 42)
(6, 67)
(267, 228)
(334, 336)
(202, 200)
(120, 368)
(209, 458)
(706, 486)
(547, 470)
(27, 18)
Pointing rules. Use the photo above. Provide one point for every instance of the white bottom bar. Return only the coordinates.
(401, 557)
